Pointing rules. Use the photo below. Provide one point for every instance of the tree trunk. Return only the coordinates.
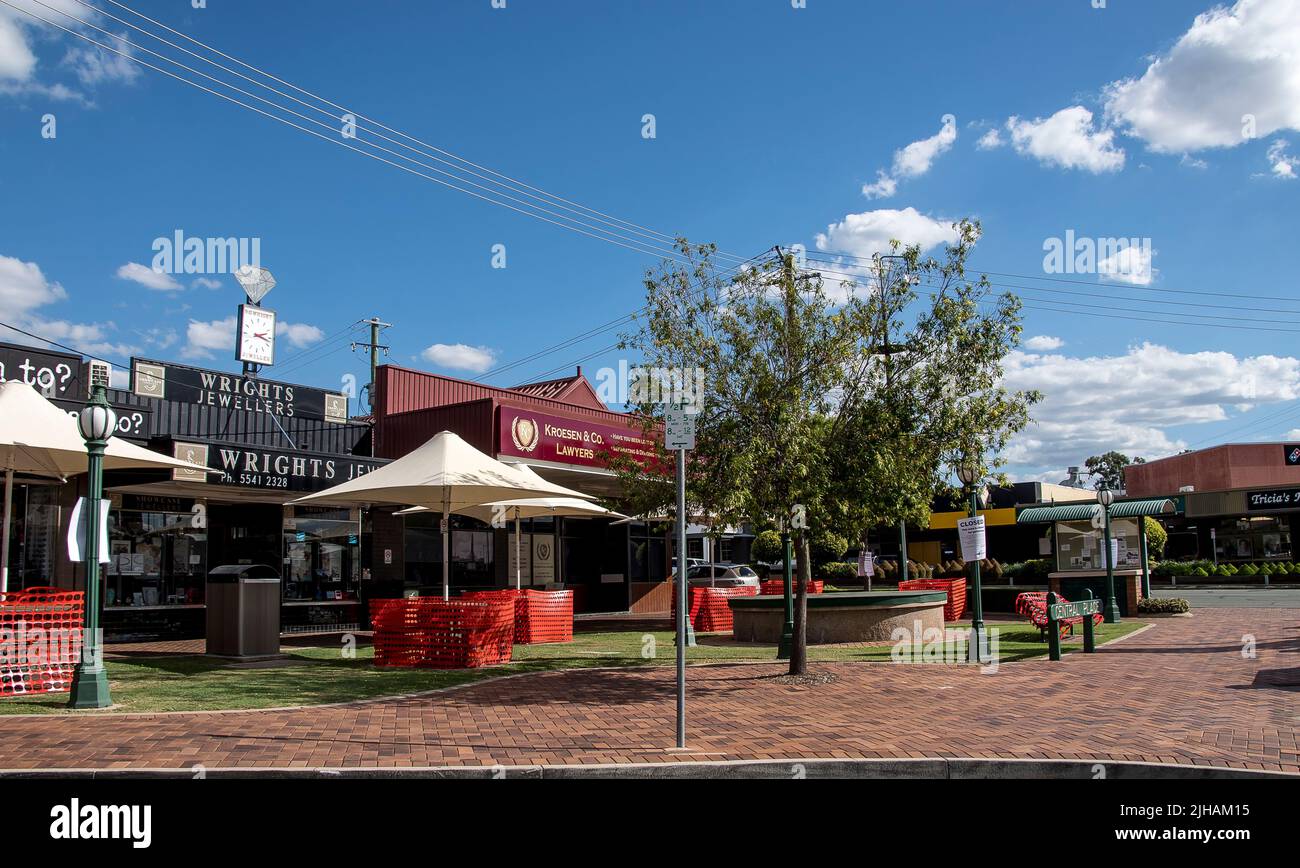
(803, 578)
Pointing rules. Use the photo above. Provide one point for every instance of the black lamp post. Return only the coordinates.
(1106, 497)
(969, 474)
(97, 423)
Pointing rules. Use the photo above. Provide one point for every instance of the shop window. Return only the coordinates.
(157, 555)
(322, 554)
(1254, 538)
(473, 562)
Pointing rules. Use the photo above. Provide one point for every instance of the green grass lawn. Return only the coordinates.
(313, 676)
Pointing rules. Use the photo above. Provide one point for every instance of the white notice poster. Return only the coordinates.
(974, 544)
(525, 559)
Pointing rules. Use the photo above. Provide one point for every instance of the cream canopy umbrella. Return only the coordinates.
(39, 439)
(446, 475)
(537, 507)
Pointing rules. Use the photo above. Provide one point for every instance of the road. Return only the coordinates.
(1234, 598)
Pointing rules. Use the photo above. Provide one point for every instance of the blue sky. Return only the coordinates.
(1040, 119)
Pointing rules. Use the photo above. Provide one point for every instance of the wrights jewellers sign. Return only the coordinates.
(270, 469)
(249, 395)
(1277, 498)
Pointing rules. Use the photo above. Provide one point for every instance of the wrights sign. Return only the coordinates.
(232, 392)
(272, 469)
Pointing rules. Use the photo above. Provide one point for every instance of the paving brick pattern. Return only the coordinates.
(1181, 692)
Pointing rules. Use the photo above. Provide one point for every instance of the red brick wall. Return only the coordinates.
(1221, 468)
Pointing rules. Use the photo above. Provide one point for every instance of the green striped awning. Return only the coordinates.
(1085, 511)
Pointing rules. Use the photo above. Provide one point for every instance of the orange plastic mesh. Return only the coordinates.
(40, 640)
(431, 633)
(954, 588)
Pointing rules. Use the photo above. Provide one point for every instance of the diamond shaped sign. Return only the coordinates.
(257, 282)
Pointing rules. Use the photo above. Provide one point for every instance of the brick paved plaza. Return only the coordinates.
(1179, 692)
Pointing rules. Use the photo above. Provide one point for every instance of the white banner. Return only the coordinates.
(974, 542)
(77, 530)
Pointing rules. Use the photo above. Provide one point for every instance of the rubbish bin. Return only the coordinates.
(244, 611)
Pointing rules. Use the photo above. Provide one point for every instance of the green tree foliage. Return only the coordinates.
(1157, 537)
(815, 420)
(1108, 470)
(767, 547)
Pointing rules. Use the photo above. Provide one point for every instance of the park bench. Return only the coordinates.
(1034, 605)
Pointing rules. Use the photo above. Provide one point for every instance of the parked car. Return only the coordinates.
(722, 576)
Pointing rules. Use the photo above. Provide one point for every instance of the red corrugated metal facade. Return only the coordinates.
(412, 406)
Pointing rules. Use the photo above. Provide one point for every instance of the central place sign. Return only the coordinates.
(522, 433)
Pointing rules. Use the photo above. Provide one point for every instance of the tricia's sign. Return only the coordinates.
(1277, 498)
(271, 469)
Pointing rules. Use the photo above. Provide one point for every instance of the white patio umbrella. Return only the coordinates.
(39, 439)
(536, 507)
(445, 475)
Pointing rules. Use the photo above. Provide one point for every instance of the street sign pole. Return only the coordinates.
(679, 435)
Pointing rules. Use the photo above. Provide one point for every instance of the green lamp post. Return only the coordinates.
(97, 423)
(786, 645)
(969, 474)
(1106, 497)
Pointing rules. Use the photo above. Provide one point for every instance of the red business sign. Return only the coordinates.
(525, 434)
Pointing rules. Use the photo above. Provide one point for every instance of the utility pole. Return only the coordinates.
(888, 351)
(793, 631)
(374, 346)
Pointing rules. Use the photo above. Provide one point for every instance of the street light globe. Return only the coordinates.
(97, 422)
(1106, 497)
(967, 473)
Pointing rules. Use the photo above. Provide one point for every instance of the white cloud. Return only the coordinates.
(461, 357)
(870, 232)
(91, 65)
(913, 160)
(148, 278)
(1282, 164)
(1044, 343)
(203, 339)
(1234, 75)
(1126, 402)
(205, 283)
(299, 335)
(1129, 264)
(990, 140)
(1067, 139)
(24, 287)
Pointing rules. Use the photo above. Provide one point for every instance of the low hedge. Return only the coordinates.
(1162, 606)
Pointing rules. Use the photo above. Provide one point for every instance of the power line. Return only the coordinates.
(637, 246)
(511, 183)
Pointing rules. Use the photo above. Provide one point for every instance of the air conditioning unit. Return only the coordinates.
(101, 374)
(1187, 489)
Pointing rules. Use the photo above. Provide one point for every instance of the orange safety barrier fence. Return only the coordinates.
(776, 587)
(541, 617)
(708, 608)
(431, 633)
(954, 588)
(40, 640)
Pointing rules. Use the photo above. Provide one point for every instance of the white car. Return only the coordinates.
(722, 576)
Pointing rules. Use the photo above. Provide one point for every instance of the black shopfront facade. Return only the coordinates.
(268, 444)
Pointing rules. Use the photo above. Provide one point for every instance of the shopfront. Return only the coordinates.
(563, 431)
(1242, 501)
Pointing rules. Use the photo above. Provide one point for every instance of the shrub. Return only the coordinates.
(767, 547)
(1028, 572)
(1162, 606)
(838, 571)
(1157, 537)
(1200, 571)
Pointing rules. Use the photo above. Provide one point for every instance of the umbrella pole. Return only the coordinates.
(4, 540)
(519, 582)
(446, 548)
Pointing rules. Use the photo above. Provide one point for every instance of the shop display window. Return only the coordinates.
(1078, 545)
(321, 554)
(157, 556)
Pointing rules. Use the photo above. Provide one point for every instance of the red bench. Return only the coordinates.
(1033, 605)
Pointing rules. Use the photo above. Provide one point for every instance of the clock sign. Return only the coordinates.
(256, 335)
